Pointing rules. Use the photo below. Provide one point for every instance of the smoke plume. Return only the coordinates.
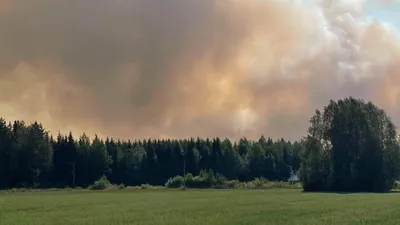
(180, 68)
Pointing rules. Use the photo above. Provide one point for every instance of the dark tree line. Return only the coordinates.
(30, 157)
(350, 146)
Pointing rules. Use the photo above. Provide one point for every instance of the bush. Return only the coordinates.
(207, 179)
(220, 182)
(231, 184)
(189, 177)
(199, 182)
(145, 186)
(100, 184)
(175, 182)
(121, 186)
(260, 182)
(396, 185)
(220, 179)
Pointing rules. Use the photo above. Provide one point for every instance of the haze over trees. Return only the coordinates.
(350, 146)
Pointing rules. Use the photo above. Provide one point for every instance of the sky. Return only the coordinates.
(388, 13)
(188, 68)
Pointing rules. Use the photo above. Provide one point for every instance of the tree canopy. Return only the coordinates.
(29, 157)
(350, 146)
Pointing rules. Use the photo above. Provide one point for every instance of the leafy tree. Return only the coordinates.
(351, 146)
(298, 149)
(283, 157)
(313, 172)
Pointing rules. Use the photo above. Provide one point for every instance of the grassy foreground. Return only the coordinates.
(277, 206)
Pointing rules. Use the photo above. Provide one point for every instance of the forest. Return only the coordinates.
(30, 157)
(350, 145)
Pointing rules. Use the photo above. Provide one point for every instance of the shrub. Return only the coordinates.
(199, 182)
(396, 185)
(220, 179)
(145, 186)
(232, 184)
(121, 186)
(189, 177)
(175, 182)
(260, 182)
(206, 179)
(100, 184)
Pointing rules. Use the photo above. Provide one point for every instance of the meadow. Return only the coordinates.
(174, 206)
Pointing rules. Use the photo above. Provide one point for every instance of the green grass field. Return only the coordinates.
(278, 206)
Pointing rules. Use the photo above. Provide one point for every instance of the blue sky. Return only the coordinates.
(389, 13)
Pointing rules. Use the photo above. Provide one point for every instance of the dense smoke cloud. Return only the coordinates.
(179, 68)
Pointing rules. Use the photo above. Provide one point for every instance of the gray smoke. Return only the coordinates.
(179, 68)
